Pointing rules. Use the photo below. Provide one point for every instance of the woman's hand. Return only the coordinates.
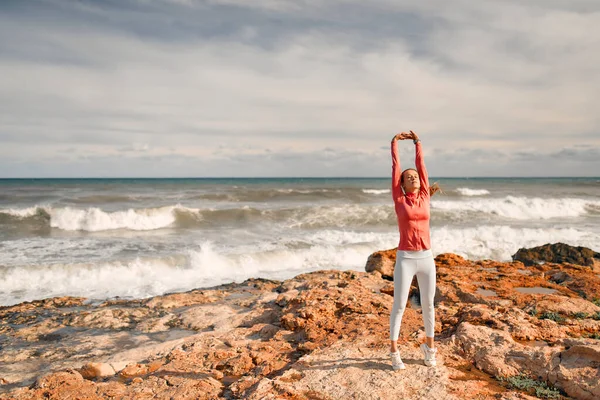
(413, 136)
(402, 136)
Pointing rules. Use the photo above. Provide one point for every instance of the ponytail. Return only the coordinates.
(433, 189)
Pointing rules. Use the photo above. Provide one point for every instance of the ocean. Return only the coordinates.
(135, 238)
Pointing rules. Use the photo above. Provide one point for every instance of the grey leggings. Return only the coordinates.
(409, 264)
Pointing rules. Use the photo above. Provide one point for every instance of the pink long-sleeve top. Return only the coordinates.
(412, 209)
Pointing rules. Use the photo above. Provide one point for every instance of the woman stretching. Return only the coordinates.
(411, 193)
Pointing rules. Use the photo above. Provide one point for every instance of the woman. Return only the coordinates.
(411, 193)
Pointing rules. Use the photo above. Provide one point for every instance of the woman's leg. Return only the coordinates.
(426, 279)
(404, 271)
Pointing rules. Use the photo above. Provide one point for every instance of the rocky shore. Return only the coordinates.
(517, 330)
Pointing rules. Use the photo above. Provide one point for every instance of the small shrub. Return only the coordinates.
(521, 382)
(556, 317)
(525, 383)
(580, 315)
(596, 316)
(545, 392)
(595, 335)
(533, 312)
(596, 301)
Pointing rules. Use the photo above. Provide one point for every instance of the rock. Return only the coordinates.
(557, 253)
(450, 260)
(577, 372)
(284, 298)
(267, 331)
(356, 370)
(62, 385)
(194, 297)
(96, 370)
(387, 289)
(134, 370)
(559, 277)
(119, 365)
(108, 318)
(487, 349)
(566, 306)
(383, 262)
(573, 370)
(161, 324)
(217, 317)
(320, 335)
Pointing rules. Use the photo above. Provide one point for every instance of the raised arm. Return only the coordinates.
(420, 164)
(396, 170)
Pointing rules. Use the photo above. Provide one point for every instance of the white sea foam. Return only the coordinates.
(347, 237)
(501, 242)
(308, 191)
(472, 192)
(202, 267)
(22, 212)
(376, 191)
(321, 216)
(94, 219)
(43, 250)
(342, 215)
(208, 264)
(520, 208)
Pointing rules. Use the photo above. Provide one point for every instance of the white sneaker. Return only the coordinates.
(397, 361)
(429, 355)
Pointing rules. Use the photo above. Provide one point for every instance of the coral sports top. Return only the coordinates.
(412, 209)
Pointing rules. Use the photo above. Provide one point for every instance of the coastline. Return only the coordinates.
(319, 335)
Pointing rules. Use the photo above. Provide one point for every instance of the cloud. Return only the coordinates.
(135, 148)
(298, 77)
(238, 162)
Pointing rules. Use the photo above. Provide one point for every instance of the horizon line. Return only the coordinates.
(298, 177)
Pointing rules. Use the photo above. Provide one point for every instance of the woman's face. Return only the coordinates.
(410, 181)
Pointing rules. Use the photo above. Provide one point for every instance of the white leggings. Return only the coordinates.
(409, 264)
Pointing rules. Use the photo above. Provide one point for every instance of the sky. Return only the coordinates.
(255, 88)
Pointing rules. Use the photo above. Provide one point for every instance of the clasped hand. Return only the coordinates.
(405, 135)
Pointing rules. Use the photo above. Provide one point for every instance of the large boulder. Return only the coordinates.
(383, 262)
(557, 253)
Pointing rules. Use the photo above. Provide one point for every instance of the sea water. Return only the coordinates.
(134, 238)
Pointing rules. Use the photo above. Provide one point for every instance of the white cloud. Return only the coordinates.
(479, 76)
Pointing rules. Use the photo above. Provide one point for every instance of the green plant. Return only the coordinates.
(525, 383)
(554, 316)
(596, 301)
(533, 312)
(595, 335)
(596, 316)
(580, 315)
(520, 382)
(545, 392)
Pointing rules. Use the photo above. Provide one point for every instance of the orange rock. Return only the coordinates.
(96, 370)
(383, 262)
(134, 370)
(450, 260)
(387, 289)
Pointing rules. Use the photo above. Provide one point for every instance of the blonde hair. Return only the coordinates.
(433, 189)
